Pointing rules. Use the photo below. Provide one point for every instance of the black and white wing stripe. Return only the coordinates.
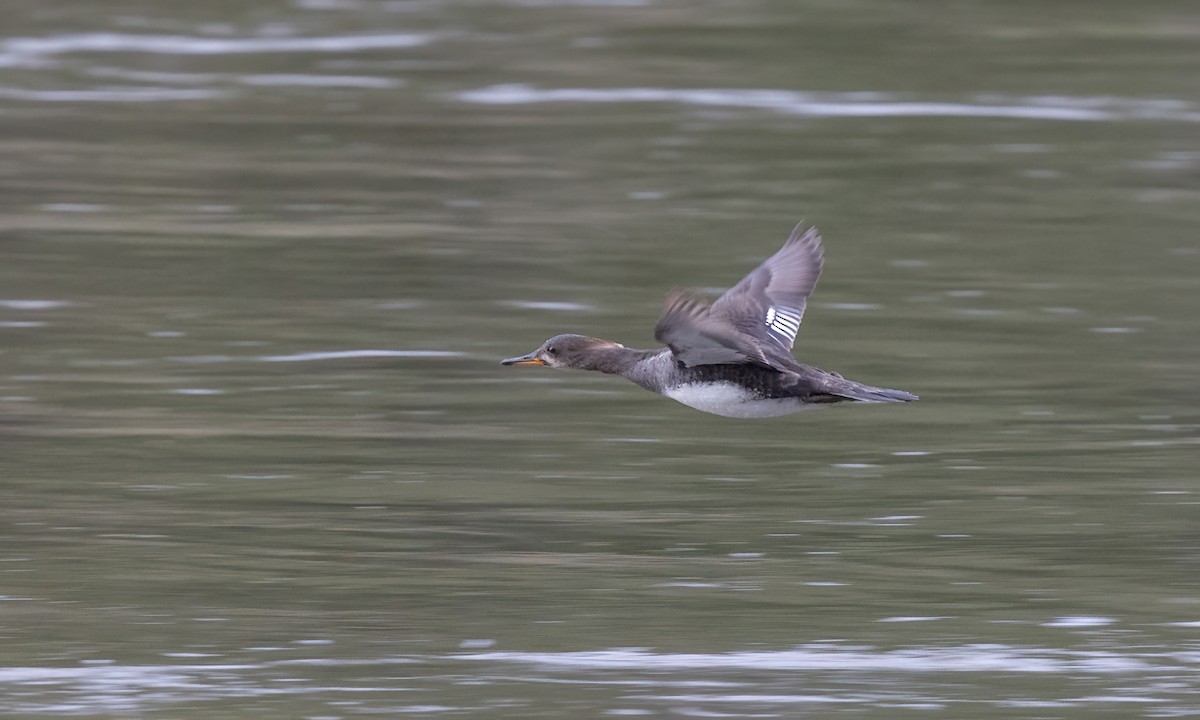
(783, 323)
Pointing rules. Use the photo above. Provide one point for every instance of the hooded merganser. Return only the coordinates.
(733, 357)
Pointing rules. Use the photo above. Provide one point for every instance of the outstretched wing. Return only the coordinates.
(769, 302)
(756, 320)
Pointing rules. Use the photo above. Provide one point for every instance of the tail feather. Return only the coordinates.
(867, 393)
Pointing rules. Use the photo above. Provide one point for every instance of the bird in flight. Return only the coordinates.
(732, 357)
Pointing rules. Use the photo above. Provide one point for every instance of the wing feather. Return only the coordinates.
(755, 321)
(770, 301)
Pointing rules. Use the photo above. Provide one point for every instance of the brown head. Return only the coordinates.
(567, 351)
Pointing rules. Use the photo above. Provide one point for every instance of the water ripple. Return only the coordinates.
(114, 94)
(104, 686)
(253, 80)
(850, 104)
(345, 354)
(969, 658)
(34, 51)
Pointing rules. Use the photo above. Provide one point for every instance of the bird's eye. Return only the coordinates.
(551, 350)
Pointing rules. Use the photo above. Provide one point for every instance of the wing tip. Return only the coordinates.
(806, 235)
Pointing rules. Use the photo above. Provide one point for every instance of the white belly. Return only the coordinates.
(732, 400)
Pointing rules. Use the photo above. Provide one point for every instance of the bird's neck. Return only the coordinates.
(615, 360)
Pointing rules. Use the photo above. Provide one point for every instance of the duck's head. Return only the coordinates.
(565, 351)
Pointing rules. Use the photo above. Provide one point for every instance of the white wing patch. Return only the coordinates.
(783, 323)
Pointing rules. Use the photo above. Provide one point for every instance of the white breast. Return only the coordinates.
(731, 400)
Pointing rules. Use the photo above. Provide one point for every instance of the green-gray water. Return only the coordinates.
(258, 263)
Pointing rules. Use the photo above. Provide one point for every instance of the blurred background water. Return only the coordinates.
(259, 262)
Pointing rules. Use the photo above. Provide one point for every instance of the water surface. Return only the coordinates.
(260, 265)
